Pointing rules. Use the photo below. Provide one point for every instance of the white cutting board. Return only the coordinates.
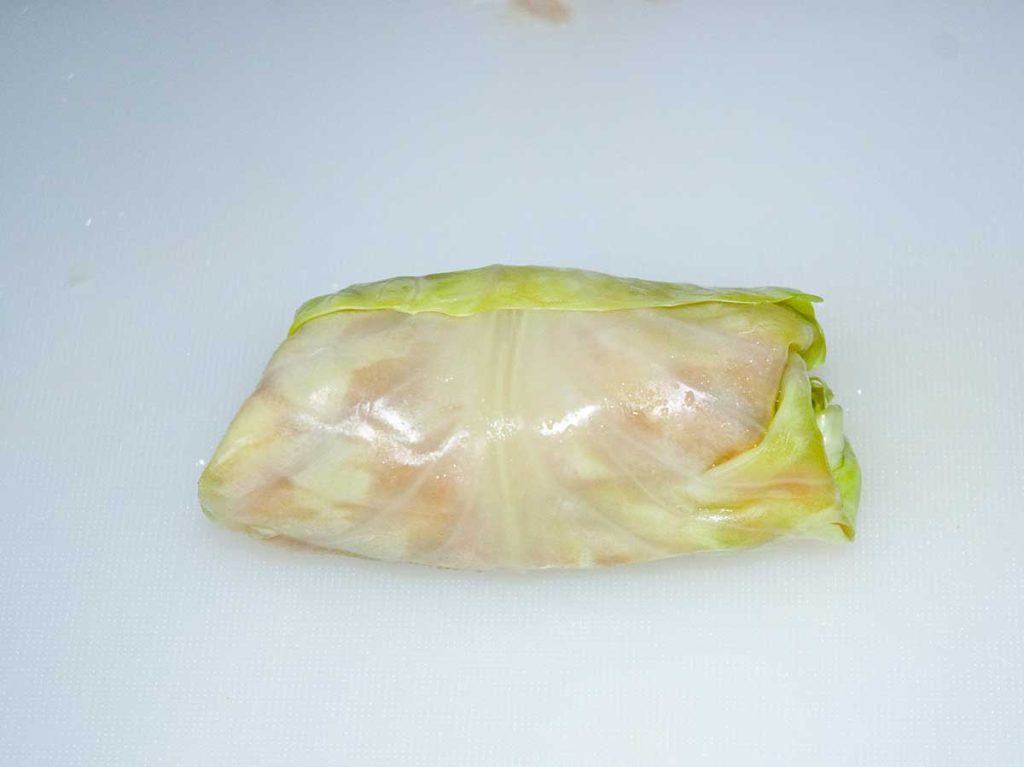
(176, 178)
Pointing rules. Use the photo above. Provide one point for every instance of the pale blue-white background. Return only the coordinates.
(175, 178)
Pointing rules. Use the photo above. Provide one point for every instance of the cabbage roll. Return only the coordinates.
(527, 417)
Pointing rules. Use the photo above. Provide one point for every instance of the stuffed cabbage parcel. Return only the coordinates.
(523, 417)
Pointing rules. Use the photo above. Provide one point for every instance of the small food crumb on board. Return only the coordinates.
(554, 11)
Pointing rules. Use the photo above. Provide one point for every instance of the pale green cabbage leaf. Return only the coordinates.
(527, 417)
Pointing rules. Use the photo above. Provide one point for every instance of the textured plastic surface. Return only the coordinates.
(177, 178)
(525, 417)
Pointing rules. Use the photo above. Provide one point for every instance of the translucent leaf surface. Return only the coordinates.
(516, 434)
